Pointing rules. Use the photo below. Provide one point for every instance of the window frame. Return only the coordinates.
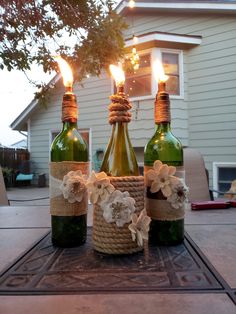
(156, 53)
(181, 71)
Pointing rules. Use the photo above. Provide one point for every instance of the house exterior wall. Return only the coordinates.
(92, 98)
(204, 119)
(209, 81)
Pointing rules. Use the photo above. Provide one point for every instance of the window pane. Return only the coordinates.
(138, 82)
(171, 66)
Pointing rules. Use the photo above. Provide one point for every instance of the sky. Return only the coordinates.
(16, 92)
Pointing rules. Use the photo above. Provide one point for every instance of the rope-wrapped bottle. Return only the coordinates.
(121, 167)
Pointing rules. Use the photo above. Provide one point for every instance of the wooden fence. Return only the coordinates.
(13, 161)
(14, 158)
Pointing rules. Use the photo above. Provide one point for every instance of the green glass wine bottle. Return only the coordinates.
(163, 146)
(119, 158)
(69, 150)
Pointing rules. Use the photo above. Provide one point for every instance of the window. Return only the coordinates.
(223, 175)
(170, 63)
(140, 84)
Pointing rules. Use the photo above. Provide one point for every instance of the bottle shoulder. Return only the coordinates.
(164, 138)
(67, 136)
(119, 158)
(165, 147)
(69, 145)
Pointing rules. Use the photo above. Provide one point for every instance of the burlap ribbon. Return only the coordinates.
(59, 206)
(161, 209)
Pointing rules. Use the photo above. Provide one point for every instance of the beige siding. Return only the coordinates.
(204, 119)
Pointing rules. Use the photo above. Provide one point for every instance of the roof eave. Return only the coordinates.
(166, 40)
(123, 7)
(20, 123)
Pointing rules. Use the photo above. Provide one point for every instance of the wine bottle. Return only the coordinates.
(163, 146)
(69, 150)
(119, 158)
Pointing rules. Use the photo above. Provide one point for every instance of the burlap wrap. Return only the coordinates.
(160, 209)
(58, 205)
(107, 237)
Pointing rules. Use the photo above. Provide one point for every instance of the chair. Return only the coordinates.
(3, 193)
(196, 176)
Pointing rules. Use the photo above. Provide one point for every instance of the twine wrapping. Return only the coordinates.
(119, 109)
(70, 109)
(162, 108)
(107, 237)
(58, 205)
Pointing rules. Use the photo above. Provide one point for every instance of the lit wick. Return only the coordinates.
(162, 103)
(69, 103)
(119, 77)
(160, 76)
(66, 74)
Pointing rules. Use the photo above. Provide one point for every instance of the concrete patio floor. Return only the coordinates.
(28, 196)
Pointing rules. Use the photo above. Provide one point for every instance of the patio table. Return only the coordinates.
(207, 261)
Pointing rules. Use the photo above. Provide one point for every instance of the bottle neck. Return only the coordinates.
(162, 108)
(122, 126)
(69, 108)
(69, 124)
(163, 127)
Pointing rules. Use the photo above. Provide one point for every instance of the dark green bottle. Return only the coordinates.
(119, 158)
(69, 146)
(163, 146)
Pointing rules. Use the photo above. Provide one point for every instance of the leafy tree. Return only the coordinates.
(85, 32)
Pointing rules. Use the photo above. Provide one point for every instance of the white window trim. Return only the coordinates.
(181, 71)
(29, 135)
(156, 53)
(216, 165)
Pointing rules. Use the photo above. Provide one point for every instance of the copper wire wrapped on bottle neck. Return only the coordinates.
(119, 109)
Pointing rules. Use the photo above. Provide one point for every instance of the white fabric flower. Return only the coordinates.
(179, 195)
(139, 227)
(118, 208)
(161, 178)
(99, 187)
(73, 186)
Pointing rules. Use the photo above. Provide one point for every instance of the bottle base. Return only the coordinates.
(166, 233)
(69, 231)
(62, 244)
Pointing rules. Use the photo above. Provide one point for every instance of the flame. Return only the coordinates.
(159, 72)
(131, 4)
(65, 71)
(118, 74)
(135, 39)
